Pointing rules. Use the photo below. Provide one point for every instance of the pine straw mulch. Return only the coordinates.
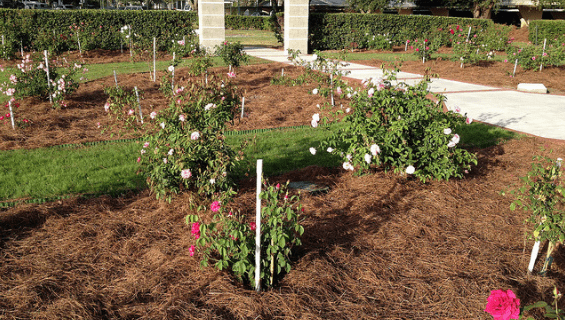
(378, 246)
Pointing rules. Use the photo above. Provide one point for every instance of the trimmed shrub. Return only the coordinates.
(248, 22)
(550, 30)
(98, 29)
(333, 31)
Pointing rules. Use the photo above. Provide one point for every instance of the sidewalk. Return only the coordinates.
(542, 115)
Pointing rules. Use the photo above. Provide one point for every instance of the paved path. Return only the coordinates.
(542, 115)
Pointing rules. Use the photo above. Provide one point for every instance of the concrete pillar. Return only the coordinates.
(296, 25)
(442, 12)
(406, 11)
(528, 14)
(211, 21)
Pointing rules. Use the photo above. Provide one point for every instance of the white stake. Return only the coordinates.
(206, 77)
(11, 114)
(139, 105)
(115, 78)
(515, 65)
(406, 46)
(230, 68)
(542, 55)
(533, 257)
(173, 78)
(332, 88)
(282, 72)
(22, 48)
(2, 40)
(48, 80)
(469, 33)
(258, 228)
(154, 68)
(79, 49)
(242, 106)
(130, 42)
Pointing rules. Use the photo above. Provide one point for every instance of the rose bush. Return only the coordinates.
(228, 240)
(189, 135)
(399, 126)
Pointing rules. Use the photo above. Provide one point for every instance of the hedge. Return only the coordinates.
(99, 29)
(334, 31)
(248, 22)
(546, 29)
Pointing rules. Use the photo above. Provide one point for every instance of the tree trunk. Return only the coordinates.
(482, 11)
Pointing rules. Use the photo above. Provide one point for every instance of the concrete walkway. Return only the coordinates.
(542, 115)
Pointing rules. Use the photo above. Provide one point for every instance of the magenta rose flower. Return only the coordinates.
(253, 226)
(195, 230)
(215, 206)
(503, 305)
(192, 250)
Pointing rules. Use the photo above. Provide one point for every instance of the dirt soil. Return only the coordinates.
(379, 246)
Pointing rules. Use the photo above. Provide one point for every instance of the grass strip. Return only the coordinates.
(109, 167)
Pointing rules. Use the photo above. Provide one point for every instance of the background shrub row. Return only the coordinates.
(550, 29)
(334, 31)
(248, 22)
(98, 28)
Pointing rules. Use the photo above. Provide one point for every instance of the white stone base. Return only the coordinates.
(532, 87)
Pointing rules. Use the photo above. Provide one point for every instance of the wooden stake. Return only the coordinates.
(242, 106)
(258, 227)
(139, 105)
(11, 114)
(533, 256)
(79, 49)
(48, 80)
(543, 52)
(154, 68)
(173, 78)
(332, 89)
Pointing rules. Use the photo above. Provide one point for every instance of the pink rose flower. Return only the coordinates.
(231, 74)
(278, 186)
(152, 115)
(182, 117)
(534, 58)
(215, 206)
(253, 226)
(139, 159)
(130, 112)
(192, 250)
(338, 90)
(185, 174)
(195, 135)
(503, 305)
(195, 230)
(468, 120)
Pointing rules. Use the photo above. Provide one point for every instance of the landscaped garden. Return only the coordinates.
(129, 193)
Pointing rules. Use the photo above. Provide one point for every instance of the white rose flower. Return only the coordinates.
(410, 170)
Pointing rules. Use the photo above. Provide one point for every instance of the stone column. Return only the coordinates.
(211, 21)
(296, 25)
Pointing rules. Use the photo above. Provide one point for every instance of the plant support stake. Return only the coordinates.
(173, 77)
(406, 46)
(515, 65)
(130, 42)
(22, 48)
(154, 69)
(533, 256)
(258, 228)
(242, 106)
(115, 78)
(469, 34)
(542, 54)
(282, 72)
(48, 80)
(139, 105)
(332, 89)
(11, 114)
(79, 49)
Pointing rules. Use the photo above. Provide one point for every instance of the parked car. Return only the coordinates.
(133, 8)
(63, 7)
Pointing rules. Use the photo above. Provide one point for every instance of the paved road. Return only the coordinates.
(542, 115)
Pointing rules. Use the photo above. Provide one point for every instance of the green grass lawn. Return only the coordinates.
(253, 37)
(111, 167)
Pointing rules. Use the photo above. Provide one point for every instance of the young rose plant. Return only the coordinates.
(543, 195)
(400, 127)
(228, 240)
(232, 53)
(122, 105)
(187, 148)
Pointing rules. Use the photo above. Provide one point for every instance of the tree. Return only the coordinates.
(368, 6)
